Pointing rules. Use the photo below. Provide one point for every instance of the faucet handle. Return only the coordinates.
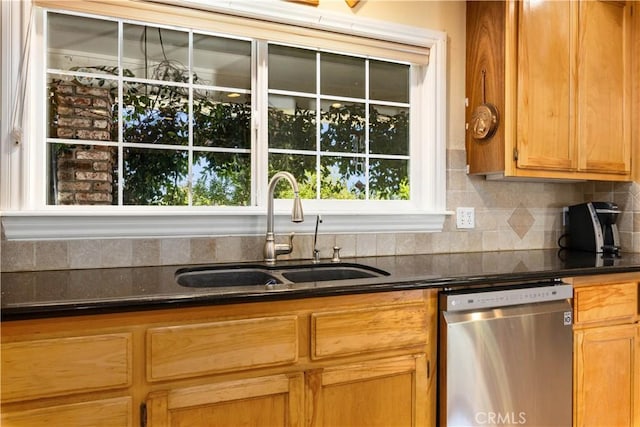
(336, 254)
(284, 248)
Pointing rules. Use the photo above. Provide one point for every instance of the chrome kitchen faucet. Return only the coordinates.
(271, 248)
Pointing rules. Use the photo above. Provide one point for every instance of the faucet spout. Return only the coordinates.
(316, 252)
(271, 248)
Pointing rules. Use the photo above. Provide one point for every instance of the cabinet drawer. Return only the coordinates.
(116, 412)
(615, 302)
(60, 366)
(192, 350)
(341, 333)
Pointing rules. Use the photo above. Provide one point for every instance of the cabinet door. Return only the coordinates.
(391, 392)
(604, 96)
(606, 376)
(275, 400)
(546, 52)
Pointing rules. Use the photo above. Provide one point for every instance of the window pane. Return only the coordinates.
(155, 114)
(82, 44)
(221, 179)
(303, 169)
(82, 174)
(155, 177)
(219, 61)
(82, 108)
(155, 53)
(388, 130)
(330, 148)
(343, 127)
(389, 179)
(342, 75)
(220, 120)
(292, 122)
(388, 81)
(292, 69)
(342, 178)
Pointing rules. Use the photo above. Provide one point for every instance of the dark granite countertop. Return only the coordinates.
(76, 292)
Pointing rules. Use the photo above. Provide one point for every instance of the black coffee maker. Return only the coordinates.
(592, 227)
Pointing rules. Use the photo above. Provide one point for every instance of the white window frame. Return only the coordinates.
(26, 217)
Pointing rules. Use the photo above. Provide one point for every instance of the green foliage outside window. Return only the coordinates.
(158, 115)
(342, 131)
(159, 176)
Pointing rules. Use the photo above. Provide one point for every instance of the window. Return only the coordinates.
(165, 120)
(142, 114)
(342, 123)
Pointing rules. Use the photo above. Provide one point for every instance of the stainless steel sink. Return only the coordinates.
(270, 276)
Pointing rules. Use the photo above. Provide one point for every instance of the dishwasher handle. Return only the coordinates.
(505, 297)
(523, 311)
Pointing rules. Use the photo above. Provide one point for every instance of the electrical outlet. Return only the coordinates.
(465, 217)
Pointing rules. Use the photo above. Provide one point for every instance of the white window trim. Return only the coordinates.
(23, 219)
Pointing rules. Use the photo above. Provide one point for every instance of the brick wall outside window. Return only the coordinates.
(84, 173)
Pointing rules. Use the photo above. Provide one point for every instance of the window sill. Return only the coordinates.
(46, 225)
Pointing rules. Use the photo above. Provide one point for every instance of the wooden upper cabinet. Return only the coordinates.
(604, 82)
(545, 66)
(485, 50)
(635, 91)
(562, 88)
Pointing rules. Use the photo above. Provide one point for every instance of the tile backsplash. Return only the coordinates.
(508, 215)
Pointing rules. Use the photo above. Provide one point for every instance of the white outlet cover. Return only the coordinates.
(465, 218)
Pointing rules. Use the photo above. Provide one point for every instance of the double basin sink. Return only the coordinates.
(271, 276)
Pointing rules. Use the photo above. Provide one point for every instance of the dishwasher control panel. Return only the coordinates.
(463, 301)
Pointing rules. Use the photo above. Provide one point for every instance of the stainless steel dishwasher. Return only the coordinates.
(506, 356)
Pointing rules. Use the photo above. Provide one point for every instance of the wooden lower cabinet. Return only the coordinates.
(347, 360)
(379, 393)
(389, 392)
(84, 378)
(606, 351)
(275, 400)
(607, 370)
(115, 412)
(218, 346)
(65, 365)
(353, 365)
